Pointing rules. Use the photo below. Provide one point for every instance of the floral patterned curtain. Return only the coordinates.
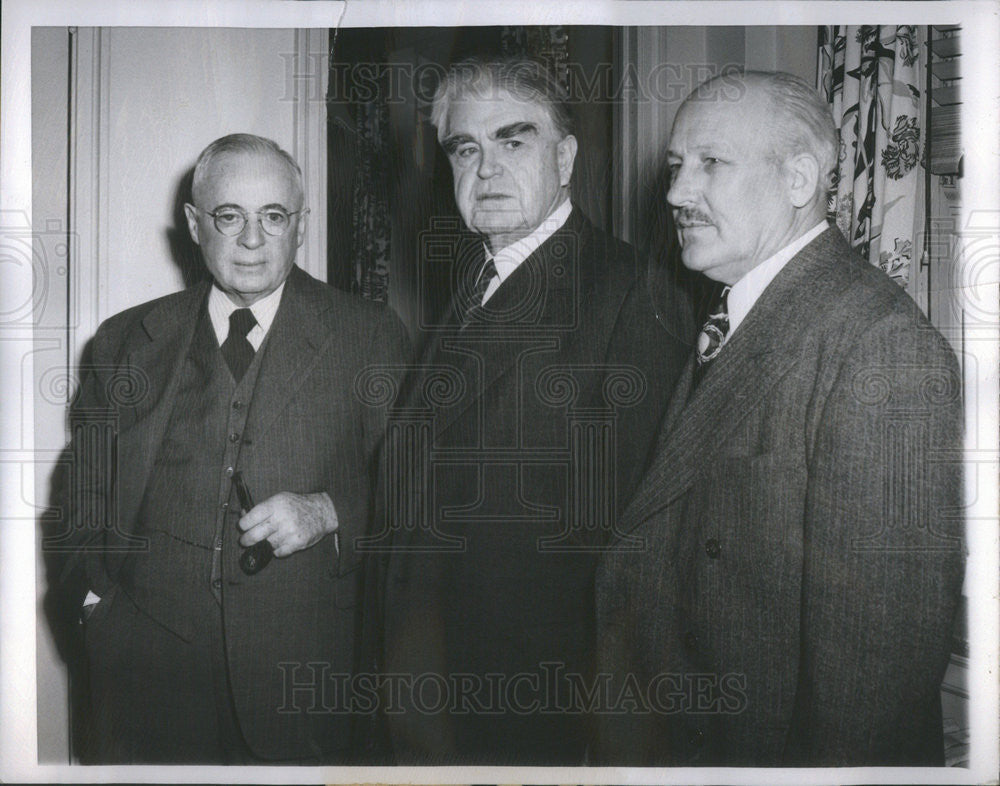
(873, 76)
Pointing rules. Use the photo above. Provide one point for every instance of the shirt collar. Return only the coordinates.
(748, 289)
(264, 310)
(509, 258)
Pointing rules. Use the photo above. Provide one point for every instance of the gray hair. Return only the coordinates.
(804, 119)
(523, 78)
(242, 143)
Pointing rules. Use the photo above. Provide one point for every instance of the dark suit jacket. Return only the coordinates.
(539, 418)
(310, 432)
(802, 531)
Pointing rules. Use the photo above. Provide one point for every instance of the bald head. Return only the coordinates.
(800, 120)
(750, 158)
(249, 145)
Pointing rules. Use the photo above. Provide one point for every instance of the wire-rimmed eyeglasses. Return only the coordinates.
(230, 220)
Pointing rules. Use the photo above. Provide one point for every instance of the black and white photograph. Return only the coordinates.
(457, 392)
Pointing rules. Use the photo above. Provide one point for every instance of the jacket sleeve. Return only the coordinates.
(883, 554)
(86, 494)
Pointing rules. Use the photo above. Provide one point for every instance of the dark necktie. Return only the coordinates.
(713, 335)
(237, 351)
(487, 273)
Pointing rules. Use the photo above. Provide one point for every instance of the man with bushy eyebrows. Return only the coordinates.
(560, 368)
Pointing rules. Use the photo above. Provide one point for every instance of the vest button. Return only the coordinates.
(713, 548)
(224, 506)
(216, 583)
(237, 404)
(234, 437)
(229, 472)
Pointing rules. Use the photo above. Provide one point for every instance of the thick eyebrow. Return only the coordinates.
(451, 143)
(515, 129)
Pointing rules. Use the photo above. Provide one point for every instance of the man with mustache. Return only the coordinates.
(558, 367)
(802, 516)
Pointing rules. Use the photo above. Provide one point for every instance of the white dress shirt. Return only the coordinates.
(509, 258)
(748, 289)
(220, 307)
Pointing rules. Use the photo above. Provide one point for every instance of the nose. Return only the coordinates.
(489, 166)
(681, 191)
(252, 235)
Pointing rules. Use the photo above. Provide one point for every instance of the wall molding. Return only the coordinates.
(87, 197)
(625, 156)
(310, 79)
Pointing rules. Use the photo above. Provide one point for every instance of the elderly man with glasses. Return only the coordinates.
(201, 647)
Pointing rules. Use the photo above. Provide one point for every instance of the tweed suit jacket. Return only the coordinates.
(801, 551)
(307, 431)
(497, 575)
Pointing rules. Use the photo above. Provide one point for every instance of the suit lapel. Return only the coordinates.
(155, 357)
(543, 303)
(294, 344)
(760, 352)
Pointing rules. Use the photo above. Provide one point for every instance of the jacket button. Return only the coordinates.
(696, 738)
(690, 641)
(234, 437)
(237, 404)
(229, 472)
(712, 548)
(216, 583)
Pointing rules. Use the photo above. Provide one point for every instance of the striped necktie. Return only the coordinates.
(487, 273)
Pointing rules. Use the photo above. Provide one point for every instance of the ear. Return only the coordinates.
(300, 230)
(802, 178)
(566, 151)
(192, 220)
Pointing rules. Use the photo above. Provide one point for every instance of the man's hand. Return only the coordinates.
(291, 522)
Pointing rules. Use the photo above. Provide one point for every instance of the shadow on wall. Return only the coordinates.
(183, 250)
(65, 589)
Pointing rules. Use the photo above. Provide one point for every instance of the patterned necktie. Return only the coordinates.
(713, 334)
(486, 275)
(237, 351)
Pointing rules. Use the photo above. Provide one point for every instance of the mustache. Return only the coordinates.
(691, 216)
